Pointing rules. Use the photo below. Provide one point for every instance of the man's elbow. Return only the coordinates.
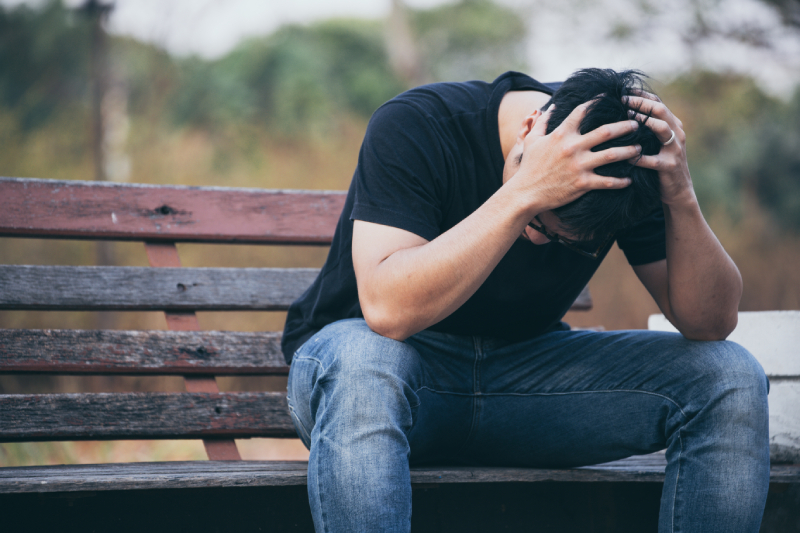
(385, 322)
(711, 330)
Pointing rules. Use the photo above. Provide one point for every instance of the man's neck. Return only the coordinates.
(515, 106)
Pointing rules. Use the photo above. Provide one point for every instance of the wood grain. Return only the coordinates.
(32, 417)
(140, 352)
(142, 289)
(68, 288)
(117, 211)
(137, 476)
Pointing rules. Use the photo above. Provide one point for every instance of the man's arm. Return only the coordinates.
(697, 286)
(406, 283)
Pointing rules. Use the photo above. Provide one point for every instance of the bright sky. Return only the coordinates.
(564, 35)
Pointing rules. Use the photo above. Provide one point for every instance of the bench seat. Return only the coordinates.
(218, 474)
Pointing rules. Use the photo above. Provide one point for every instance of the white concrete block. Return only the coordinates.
(784, 421)
(773, 337)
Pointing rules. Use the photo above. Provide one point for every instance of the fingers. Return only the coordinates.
(645, 94)
(657, 109)
(540, 128)
(658, 126)
(605, 182)
(657, 116)
(647, 161)
(572, 123)
(609, 131)
(646, 106)
(661, 162)
(613, 155)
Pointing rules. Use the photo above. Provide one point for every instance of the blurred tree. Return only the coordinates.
(789, 10)
(773, 174)
(297, 79)
(45, 61)
(404, 54)
(472, 39)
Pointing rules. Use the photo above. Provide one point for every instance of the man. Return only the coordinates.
(433, 332)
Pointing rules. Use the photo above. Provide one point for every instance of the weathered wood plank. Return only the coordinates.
(32, 417)
(68, 288)
(117, 211)
(141, 352)
(144, 289)
(583, 302)
(200, 474)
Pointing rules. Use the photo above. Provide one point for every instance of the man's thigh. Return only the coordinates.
(570, 397)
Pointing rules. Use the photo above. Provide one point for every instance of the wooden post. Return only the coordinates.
(166, 255)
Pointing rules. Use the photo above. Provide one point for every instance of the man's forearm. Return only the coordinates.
(428, 282)
(704, 285)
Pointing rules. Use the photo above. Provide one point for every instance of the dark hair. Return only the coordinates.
(602, 212)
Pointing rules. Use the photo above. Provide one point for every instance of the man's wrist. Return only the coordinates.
(686, 199)
(524, 200)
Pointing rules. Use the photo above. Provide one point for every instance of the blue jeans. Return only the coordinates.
(368, 406)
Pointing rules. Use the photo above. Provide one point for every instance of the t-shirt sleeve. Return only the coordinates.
(401, 173)
(646, 241)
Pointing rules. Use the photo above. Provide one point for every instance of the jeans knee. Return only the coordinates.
(735, 381)
(348, 369)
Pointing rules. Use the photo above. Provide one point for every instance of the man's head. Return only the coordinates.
(600, 213)
(603, 212)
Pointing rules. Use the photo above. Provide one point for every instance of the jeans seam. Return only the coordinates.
(299, 424)
(677, 479)
(319, 488)
(558, 394)
(474, 395)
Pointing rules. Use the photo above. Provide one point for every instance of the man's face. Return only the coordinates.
(550, 221)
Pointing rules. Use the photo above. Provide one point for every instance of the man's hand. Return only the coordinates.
(558, 168)
(673, 170)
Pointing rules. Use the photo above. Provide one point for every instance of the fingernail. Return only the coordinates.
(638, 148)
(631, 113)
(634, 125)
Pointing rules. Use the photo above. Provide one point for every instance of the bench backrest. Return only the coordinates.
(158, 216)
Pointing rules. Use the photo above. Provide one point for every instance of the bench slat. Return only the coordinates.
(116, 211)
(33, 417)
(202, 474)
(67, 288)
(141, 352)
(133, 476)
(151, 289)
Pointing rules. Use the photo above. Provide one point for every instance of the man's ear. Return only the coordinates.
(528, 124)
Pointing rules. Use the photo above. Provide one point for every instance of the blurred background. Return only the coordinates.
(246, 93)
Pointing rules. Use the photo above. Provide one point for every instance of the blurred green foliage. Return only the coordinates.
(44, 62)
(301, 81)
(473, 39)
(773, 172)
(295, 80)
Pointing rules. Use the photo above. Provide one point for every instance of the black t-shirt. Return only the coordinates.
(430, 157)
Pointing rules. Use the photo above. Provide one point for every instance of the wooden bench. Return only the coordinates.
(224, 493)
